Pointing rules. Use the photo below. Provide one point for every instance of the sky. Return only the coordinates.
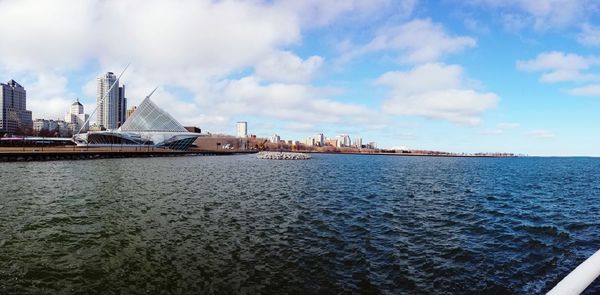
(519, 76)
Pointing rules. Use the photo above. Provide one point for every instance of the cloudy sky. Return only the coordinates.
(518, 76)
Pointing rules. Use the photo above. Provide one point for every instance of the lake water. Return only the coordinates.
(335, 223)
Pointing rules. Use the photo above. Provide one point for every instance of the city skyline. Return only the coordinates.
(459, 76)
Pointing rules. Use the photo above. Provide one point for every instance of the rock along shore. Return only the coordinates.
(282, 156)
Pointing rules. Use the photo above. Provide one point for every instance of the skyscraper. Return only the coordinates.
(76, 118)
(242, 129)
(112, 111)
(121, 107)
(14, 117)
(319, 139)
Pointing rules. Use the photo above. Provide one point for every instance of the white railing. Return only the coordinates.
(580, 278)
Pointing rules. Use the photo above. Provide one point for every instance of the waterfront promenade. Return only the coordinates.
(9, 154)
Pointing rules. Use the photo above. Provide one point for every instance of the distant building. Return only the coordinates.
(275, 138)
(357, 142)
(310, 141)
(149, 126)
(319, 139)
(14, 116)
(242, 129)
(130, 111)
(121, 107)
(40, 125)
(112, 105)
(43, 127)
(76, 118)
(343, 140)
(331, 142)
(193, 129)
(96, 127)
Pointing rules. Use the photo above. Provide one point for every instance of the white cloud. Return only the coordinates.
(492, 132)
(566, 67)
(285, 66)
(47, 97)
(417, 41)
(319, 13)
(589, 35)
(294, 102)
(541, 14)
(508, 125)
(193, 45)
(541, 134)
(589, 90)
(501, 128)
(561, 67)
(436, 91)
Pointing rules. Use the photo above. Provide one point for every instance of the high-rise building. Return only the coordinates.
(14, 116)
(343, 140)
(357, 142)
(319, 139)
(112, 106)
(242, 129)
(275, 138)
(121, 107)
(76, 118)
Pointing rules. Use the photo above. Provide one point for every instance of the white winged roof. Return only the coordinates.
(149, 117)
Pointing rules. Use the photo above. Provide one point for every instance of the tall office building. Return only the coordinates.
(14, 117)
(112, 111)
(275, 138)
(121, 107)
(343, 140)
(76, 118)
(319, 139)
(242, 129)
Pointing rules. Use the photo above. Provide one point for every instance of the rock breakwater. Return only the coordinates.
(282, 156)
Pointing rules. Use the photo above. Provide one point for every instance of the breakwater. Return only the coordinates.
(282, 156)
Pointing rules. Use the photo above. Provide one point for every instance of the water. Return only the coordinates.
(335, 223)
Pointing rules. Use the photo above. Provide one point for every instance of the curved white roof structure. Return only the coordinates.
(149, 125)
(149, 117)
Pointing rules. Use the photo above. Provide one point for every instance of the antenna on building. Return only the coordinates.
(102, 99)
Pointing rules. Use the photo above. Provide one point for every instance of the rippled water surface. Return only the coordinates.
(335, 223)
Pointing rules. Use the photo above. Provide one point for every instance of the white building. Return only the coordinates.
(310, 141)
(357, 142)
(112, 105)
(343, 140)
(242, 129)
(54, 127)
(149, 126)
(40, 125)
(319, 139)
(275, 138)
(76, 118)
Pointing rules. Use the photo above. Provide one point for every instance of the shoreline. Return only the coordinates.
(413, 154)
(74, 153)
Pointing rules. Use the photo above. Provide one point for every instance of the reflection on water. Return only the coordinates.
(336, 223)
